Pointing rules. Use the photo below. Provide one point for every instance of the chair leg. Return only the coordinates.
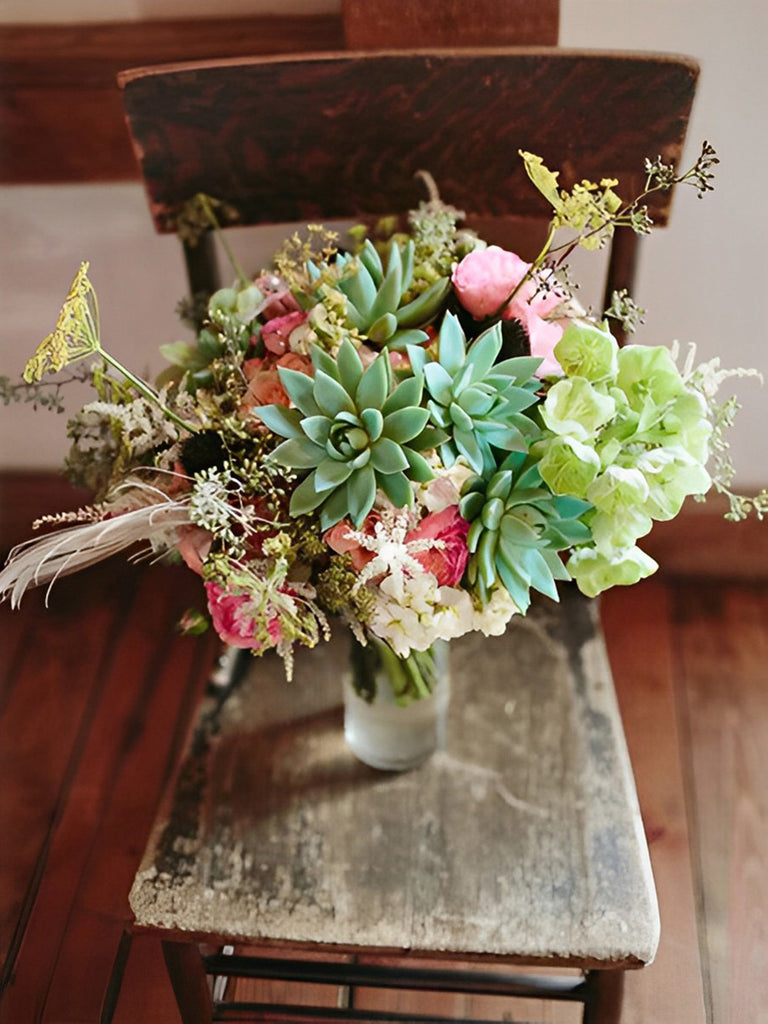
(605, 990)
(189, 981)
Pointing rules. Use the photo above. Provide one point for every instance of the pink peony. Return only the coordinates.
(449, 561)
(231, 619)
(486, 277)
(276, 333)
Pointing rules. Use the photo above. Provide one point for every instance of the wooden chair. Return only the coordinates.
(332, 136)
(342, 135)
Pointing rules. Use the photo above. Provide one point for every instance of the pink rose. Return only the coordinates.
(449, 561)
(483, 281)
(231, 619)
(276, 333)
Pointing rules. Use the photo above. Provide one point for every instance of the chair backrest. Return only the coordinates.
(284, 139)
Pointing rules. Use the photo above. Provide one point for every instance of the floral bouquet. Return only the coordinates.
(409, 434)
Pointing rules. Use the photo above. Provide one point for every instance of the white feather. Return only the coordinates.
(44, 559)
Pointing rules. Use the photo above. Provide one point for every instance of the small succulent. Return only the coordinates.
(375, 300)
(476, 400)
(518, 526)
(353, 433)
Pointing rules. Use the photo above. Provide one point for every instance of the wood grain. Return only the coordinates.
(61, 117)
(722, 653)
(412, 24)
(641, 649)
(244, 130)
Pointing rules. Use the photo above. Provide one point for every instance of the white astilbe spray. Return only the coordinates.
(44, 559)
(393, 554)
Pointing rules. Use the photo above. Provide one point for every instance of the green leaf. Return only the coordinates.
(331, 396)
(388, 457)
(439, 383)
(374, 384)
(469, 446)
(388, 296)
(425, 306)
(298, 453)
(335, 507)
(482, 353)
(359, 289)
(188, 357)
(382, 328)
(451, 345)
(418, 357)
(306, 497)
(405, 424)
(373, 421)
(544, 179)
(299, 387)
(420, 469)
(397, 489)
(371, 260)
(407, 272)
(350, 368)
(515, 585)
(280, 420)
(317, 429)
(361, 493)
(407, 392)
(331, 473)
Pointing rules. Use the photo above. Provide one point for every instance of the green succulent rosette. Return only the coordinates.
(517, 529)
(375, 297)
(352, 433)
(479, 403)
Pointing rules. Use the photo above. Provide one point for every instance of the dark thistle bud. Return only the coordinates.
(204, 450)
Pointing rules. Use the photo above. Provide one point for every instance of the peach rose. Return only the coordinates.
(194, 545)
(339, 540)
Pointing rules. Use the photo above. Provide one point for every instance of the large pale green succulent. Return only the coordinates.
(353, 433)
(375, 303)
(477, 401)
(518, 526)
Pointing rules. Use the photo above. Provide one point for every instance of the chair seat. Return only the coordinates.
(520, 840)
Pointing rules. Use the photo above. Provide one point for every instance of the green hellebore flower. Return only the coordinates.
(595, 572)
(568, 466)
(586, 350)
(575, 408)
(518, 526)
(352, 433)
(477, 401)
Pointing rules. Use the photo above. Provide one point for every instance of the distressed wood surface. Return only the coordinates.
(521, 839)
(342, 135)
(410, 24)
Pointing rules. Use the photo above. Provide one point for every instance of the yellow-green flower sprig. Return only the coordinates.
(77, 336)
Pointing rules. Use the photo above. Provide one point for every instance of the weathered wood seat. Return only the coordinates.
(520, 843)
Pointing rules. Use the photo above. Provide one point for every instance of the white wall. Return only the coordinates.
(703, 280)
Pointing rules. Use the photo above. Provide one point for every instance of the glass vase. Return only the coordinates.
(395, 708)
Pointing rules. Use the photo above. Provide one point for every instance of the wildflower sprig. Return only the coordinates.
(77, 336)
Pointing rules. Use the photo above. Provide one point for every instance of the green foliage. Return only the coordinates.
(518, 527)
(375, 297)
(479, 403)
(353, 433)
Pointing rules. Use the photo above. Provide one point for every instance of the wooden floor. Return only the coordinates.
(96, 697)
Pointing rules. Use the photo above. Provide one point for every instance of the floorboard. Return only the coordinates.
(722, 654)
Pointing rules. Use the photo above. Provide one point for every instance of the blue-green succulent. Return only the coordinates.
(518, 528)
(353, 433)
(478, 402)
(375, 299)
